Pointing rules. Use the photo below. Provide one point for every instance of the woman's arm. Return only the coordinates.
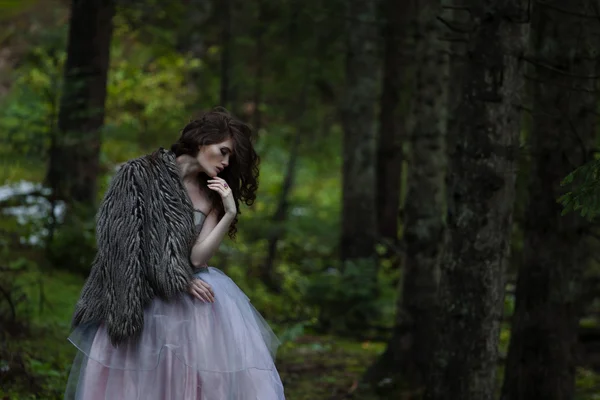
(120, 259)
(210, 237)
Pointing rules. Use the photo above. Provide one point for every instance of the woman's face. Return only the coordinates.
(214, 158)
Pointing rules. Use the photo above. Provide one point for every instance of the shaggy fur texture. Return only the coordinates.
(144, 232)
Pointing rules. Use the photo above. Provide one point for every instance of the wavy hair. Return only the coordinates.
(241, 174)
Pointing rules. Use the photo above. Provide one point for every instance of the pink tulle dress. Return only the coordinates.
(189, 349)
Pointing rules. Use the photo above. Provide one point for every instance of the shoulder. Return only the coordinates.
(148, 168)
(141, 164)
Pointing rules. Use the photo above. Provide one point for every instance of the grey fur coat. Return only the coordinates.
(144, 233)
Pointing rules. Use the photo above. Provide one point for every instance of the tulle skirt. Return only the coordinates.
(188, 349)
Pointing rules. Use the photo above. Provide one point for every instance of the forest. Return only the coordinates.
(426, 221)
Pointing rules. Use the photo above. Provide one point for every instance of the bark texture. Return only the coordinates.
(407, 356)
(359, 223)
(481, 193)
(75, 148)
(542, 353)
(392, 118)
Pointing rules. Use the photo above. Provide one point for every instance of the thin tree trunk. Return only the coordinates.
(75, 148)
(269, 276)
(481, 193)
(542, 361)
(359, 222)
(258, 79)
(225, 98)
(359, 212)
(296, 117)
(408, 353)
(391, 125)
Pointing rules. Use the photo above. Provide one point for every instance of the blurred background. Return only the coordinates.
(425, 223)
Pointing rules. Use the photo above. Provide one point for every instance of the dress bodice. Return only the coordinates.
(199, 218)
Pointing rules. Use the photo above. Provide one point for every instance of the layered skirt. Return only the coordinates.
(189, 349)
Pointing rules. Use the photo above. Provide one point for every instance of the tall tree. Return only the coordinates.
(304, 73)
(358, 118)
(408, 352)
(225, 8)
(541, 360)
(75, 148)
(392, 118)
(480, 196)
(359, 215)
(259, 39)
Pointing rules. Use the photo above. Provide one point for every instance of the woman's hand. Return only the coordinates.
(201, 290)
(220, 186)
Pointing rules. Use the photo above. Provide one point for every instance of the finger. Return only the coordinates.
(209, 297)
(197, 283)
(197, 286)
(204, 288)
(199, 290)
(221, 189)
(192, 289)
(208, 290)
(197, 294)
(217, 188)
(211, 294)
(203, 296)
(220, 181)
(203, 284)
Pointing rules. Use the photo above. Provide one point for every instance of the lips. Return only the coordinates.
(219, 170)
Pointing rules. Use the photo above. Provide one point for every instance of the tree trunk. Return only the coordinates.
(75, 148)
(408, 353)
(269, 275)
(260, 59)
(391, 125)
(359, 213)
(542, 353)
(359, 223)
(481, 192)
(225, 98)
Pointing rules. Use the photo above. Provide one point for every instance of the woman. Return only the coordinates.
(154, 321)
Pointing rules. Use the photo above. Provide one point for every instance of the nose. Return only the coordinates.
(225, 161)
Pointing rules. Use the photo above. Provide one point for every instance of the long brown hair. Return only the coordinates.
(241, 174)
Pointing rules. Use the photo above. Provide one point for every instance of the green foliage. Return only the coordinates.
(28, 115)
(11, 8)
(40, 360)
(587, 383)
(148, 96)
(319, 367)
(147, 103)
(73, 244)
(584, 198)
(349, 302)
